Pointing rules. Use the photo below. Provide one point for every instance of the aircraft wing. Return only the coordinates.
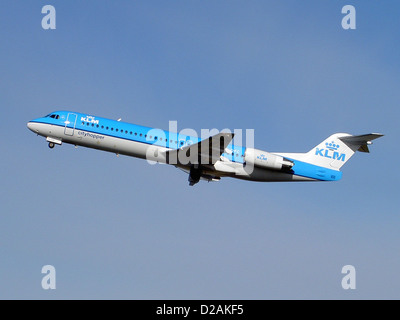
(207, 151)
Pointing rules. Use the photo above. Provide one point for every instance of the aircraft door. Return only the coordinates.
(70, 124)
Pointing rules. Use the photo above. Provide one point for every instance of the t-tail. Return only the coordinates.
(336, 150)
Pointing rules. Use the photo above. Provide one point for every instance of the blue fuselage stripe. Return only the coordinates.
(309, 170)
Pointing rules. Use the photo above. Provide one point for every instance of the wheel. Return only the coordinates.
(51, 145)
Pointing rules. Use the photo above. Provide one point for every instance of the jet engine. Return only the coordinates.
(262, 159)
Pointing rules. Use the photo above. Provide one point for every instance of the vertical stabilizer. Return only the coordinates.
(336, 150)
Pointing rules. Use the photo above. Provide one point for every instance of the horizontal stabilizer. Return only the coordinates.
(362, 141)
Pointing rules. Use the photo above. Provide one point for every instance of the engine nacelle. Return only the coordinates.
(266, 160)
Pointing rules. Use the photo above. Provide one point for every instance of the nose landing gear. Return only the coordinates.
(53, 141)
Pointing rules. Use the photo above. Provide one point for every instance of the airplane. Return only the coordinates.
(208, 159)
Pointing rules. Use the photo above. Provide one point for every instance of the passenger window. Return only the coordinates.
(116, 130)
(140, 134)
(106, 128)
(112, 129)
(102, 127)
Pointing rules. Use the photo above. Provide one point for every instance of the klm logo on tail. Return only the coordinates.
(330, 152)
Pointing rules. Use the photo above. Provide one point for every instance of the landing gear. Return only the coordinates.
(53, 141)
(194, 175)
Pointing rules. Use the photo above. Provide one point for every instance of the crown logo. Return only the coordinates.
(331, 145)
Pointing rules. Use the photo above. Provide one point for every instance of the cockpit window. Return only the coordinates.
(54, 116)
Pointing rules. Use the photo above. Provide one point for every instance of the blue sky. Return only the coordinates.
(118, 228)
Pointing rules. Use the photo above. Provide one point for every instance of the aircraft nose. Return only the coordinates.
(31, 126)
